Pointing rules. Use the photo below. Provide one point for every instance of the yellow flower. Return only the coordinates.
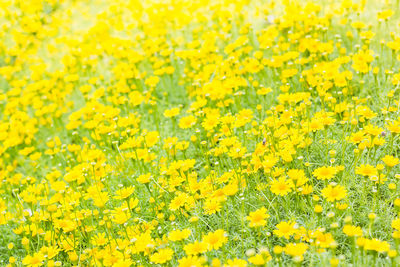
(169, 113)
(211, 206)
(187, 122)
(257, 260)
(121, 215)
(162, 256)
(390, 161)
(324, 240)
(195, 248)
(216, 239)
(258, 218)
(236, 263)
(281, 186)
(124, 192)
(376, 245)
(396, 224)
(261, 258)
(325, 172)
(191, 261)
(366, 170)
(385, 14)
(151, 138)
(144, 178)
(351, 230)
(298, 176)
(178, 235)
(100, 239)
(295, 249)
(178, 202)
(264, 90)
(334, 193)
(318, 208)
(34, 261)
(286, 229)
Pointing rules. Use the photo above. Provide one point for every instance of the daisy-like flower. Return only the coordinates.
(390, 161)
(334, 192)
(286, 229)
(325, 172)
(124, 193)
(258, 218)
(366, 170)
(281, 186)
(162, 256)
(216, 239)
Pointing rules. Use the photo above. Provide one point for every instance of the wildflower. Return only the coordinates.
(144, 178)
(324, 240)
(261, 258)
(195, 248)
(366, 170)
(351, 230)
(124, 192)
(286, 229)
(376, 245)
(385, 14)
(396, 224)
(187, 122)
(212, 206)
(334, 193)
(120, 216)
(100, 239)
(258, 218)
(173, 112)
(162, 256)
(191, 261)
(390, 161)
(216, 239)
(178, 235)
(318, 208)
(236, 263)
(178, 202)
(325, 172)
(281, 186)
(37, 259)
(296, 249)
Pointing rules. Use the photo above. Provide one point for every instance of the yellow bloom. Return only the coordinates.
(286, 229)
(195, 248)
(390, 161)
(124, 192)
(178, 235)
(281, 186)
(144, 178)
(211, 206)
(173, 112)
(236, 263)
(351, 230)
(37, 259)
(396, 224)
(296, 249)
(187, 122)
(366, 170)
(162, 256)
(191, 261)
(334, 193)
(325, 172)
(258, 218)
(376, 245)
(216, 239)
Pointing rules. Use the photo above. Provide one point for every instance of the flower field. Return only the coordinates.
(199, 133)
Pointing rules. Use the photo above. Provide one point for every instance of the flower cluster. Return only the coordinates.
(199, 133)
